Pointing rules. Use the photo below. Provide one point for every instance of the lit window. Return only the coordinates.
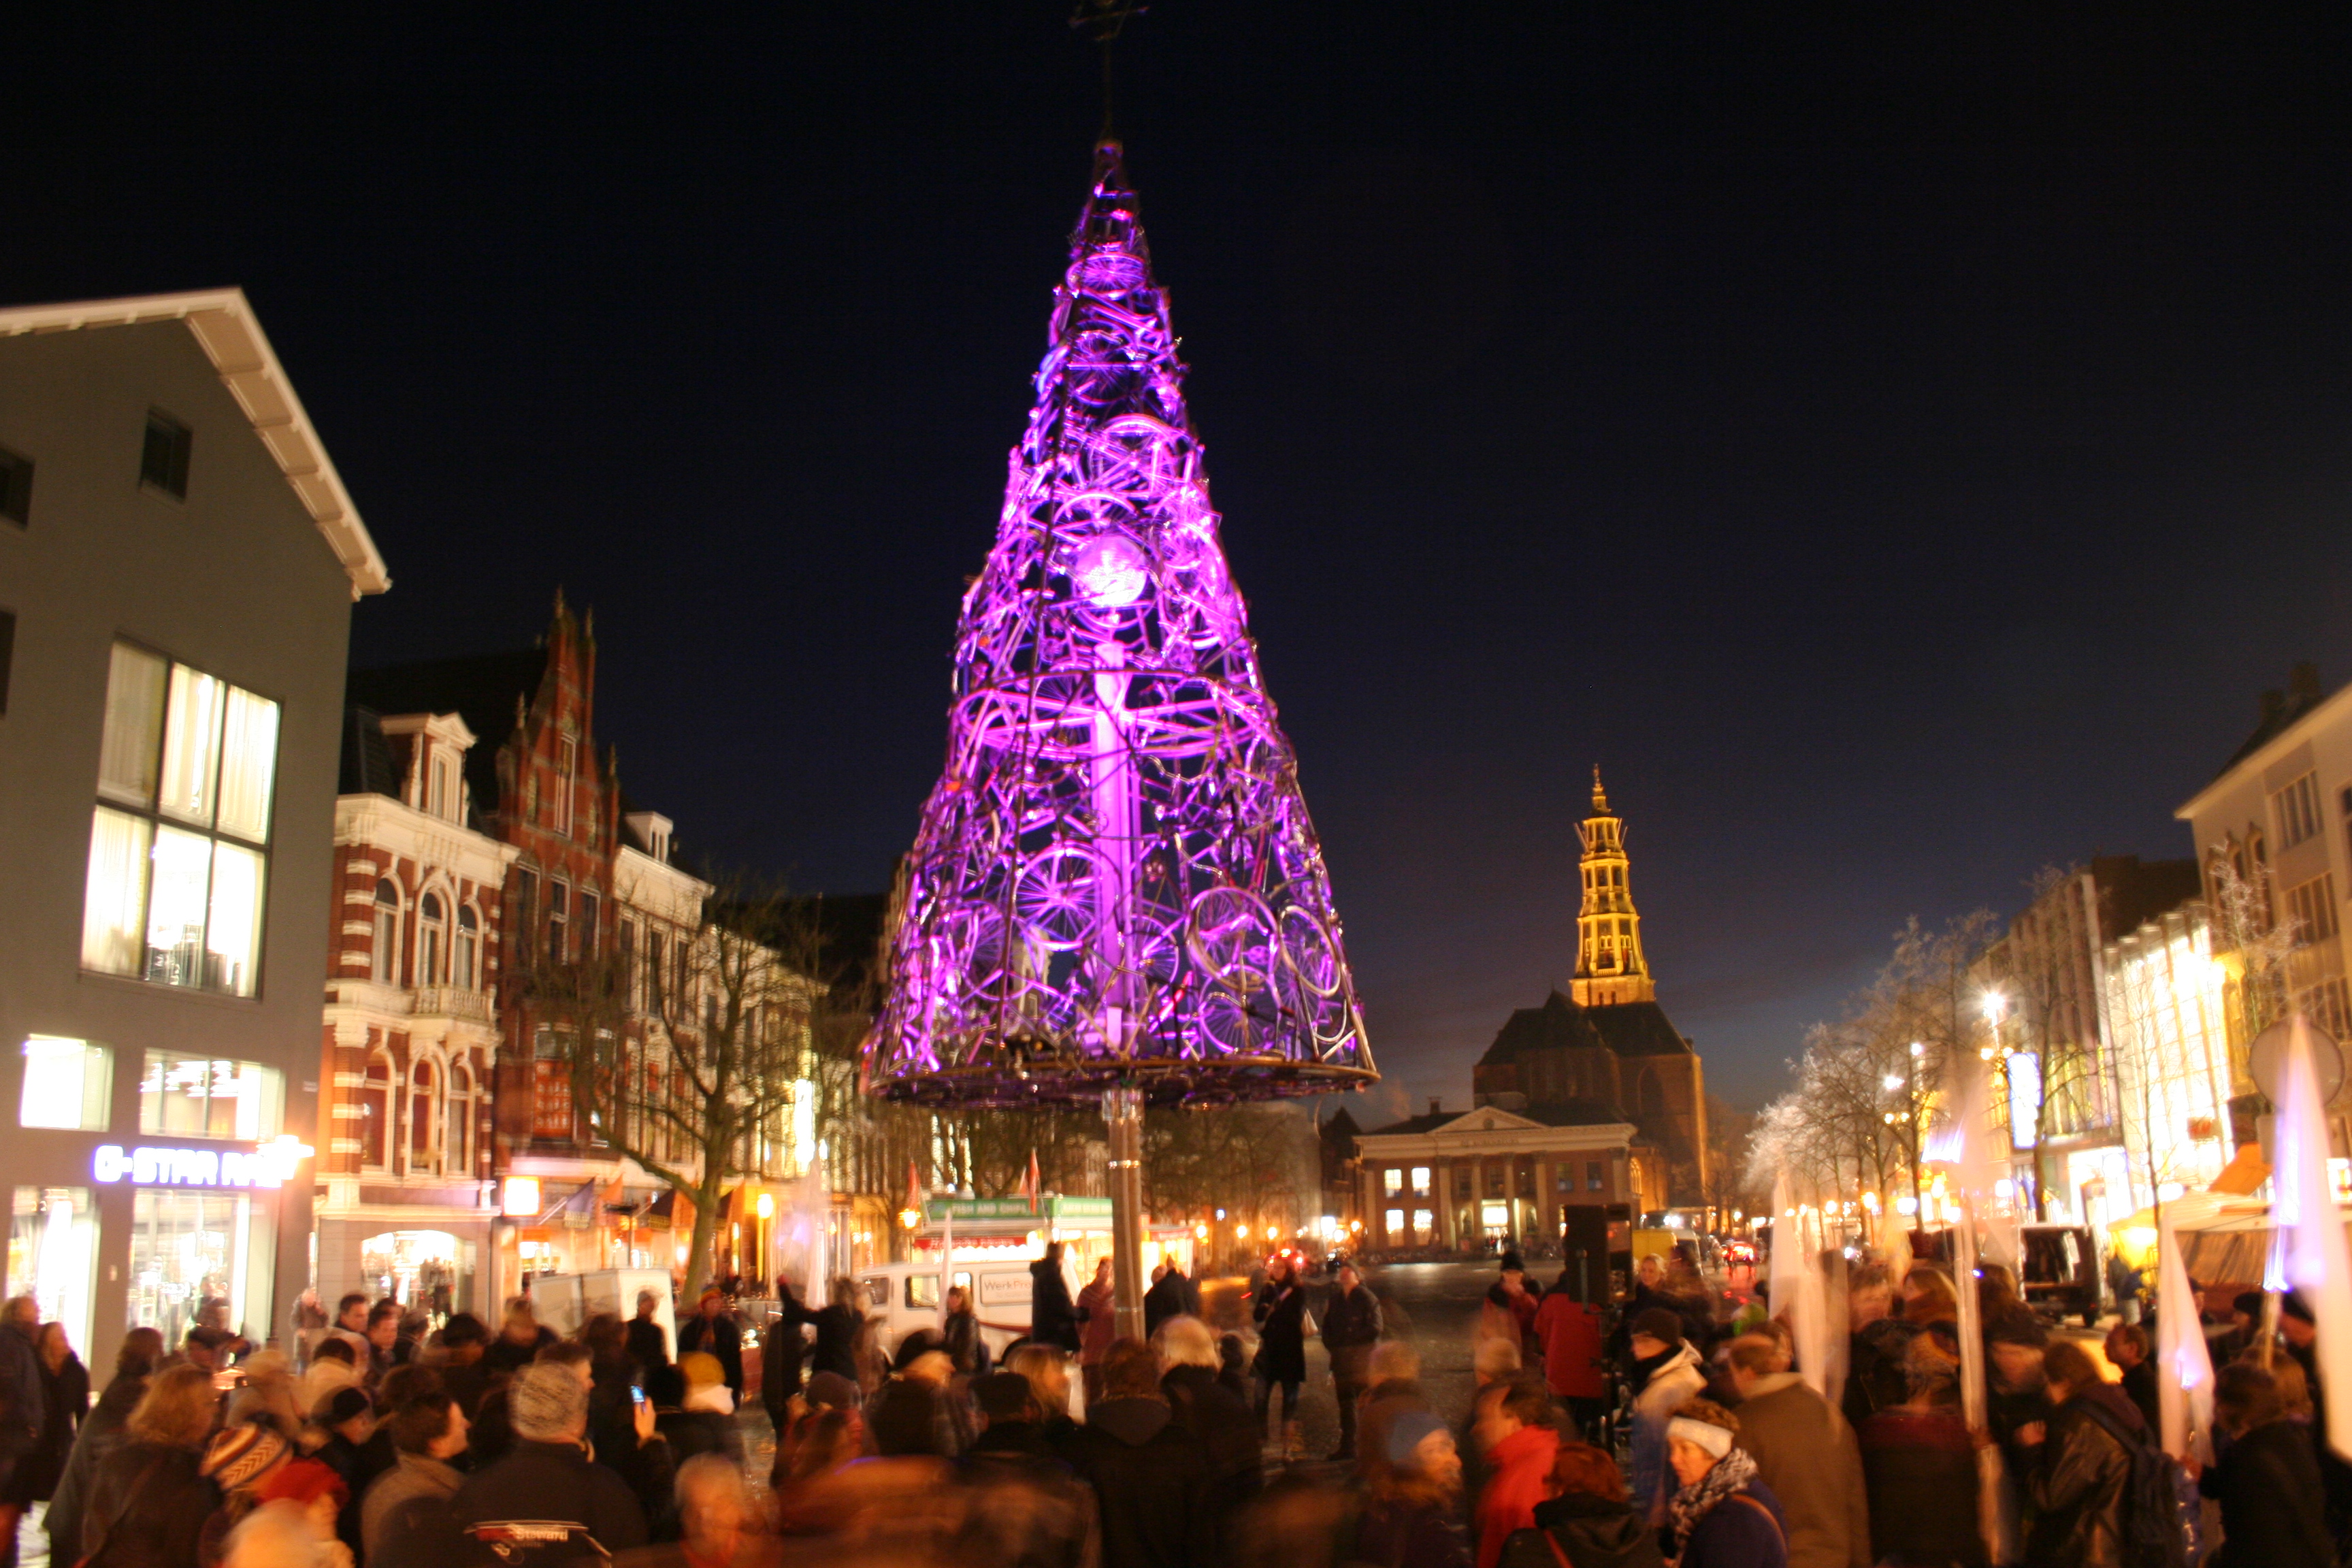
(178, 867)
(1422, 1227)
(1596, 1176)
(387, 933)
(205, 1098)
(1393, 1222)
(1391, 1182)
(67, 1084)
(468, 949)
(2295, 809)
(1421, 1181)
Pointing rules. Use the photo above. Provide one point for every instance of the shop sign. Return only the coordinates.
(147, 1166)
(939, 1210)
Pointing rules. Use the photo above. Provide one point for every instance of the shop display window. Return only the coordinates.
(53, 1255)
(201, 1097)
(67, 1084)
(188, 1247)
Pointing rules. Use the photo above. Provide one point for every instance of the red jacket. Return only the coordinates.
(1569, 1332)
(1519, 1478)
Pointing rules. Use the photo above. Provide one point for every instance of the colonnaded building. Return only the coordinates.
(1593, 1102)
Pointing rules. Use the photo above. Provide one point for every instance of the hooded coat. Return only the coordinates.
(2083, 1484)
(1281, 1314)
(2273, 1505)
(1053, 1319)
(1674, 1378)
(1588, 1531)
(1806, 1453)
(1151, 1482)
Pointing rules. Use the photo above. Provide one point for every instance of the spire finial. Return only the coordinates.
(1103, 20)
(1600, 800)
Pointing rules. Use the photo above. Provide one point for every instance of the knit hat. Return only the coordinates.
(1660, 1324)
(303, 1481)
(700, 1369)
(1406, 1434)
(342, 1405)
(547, 1403)
(241, 1455)
(830, 1388)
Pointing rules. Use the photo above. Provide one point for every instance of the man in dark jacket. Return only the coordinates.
(782, 1350)
(1052, 1316)
(1220, 1418)
(1150, 1477)
(101, 1435)
(712, 1331)
(24, 1409)
(1172, 1295)
(1351, 1327)
(648, 1345)
(544, 1503)
(1025, 1504)
(2082, 1484)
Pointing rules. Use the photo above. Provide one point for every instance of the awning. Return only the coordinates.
(2244, 1175)
(575, 1208)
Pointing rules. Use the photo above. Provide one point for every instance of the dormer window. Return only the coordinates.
(567, 763)
(437, 797)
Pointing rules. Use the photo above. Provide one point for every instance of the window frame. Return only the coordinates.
(559, 921)
(2294, 809)
(383, 1126)
(170, 477)
(384, 965)
(465, 949)
(152, 814)
(15, 487)
(567, 770)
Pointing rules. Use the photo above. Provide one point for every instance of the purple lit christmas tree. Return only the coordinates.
(1116, 887)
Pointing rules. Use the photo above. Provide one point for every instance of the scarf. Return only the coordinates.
(1692, 1503)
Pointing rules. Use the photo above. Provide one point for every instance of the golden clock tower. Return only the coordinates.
(1610, 968)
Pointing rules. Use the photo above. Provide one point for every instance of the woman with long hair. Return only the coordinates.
(65, 1391)
(1411, 1517)
(101, 1435)
(149, 1500)
(1588, 1522)
(1281, 1362)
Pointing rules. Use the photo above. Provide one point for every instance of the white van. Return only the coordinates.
(906, 1296)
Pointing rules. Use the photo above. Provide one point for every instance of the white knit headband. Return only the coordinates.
(1699, 1435)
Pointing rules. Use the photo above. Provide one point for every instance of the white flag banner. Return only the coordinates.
(2308, 1242)
(2184, 1368)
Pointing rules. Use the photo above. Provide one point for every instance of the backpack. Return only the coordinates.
(2159, 1508)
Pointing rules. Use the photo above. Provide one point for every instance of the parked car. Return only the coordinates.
(906, 1296)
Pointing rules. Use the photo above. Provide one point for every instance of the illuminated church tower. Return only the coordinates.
(1610, 968)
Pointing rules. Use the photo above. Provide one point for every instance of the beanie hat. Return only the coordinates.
(303, 1481)
(547, 1403)
(700, 1369)
(340, 1406)
(1406, 1434)
(1660, 1324)
(241, 1455)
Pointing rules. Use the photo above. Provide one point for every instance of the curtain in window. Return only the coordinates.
(248, 765)
(233, 932)
(421, 1117)
(375, 1114)
(175, 907)
(191, 736)
(134, 724)
(118, 888)
(458, 1147)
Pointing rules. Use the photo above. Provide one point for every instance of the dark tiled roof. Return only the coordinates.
(1430, 1122)
(1339, 1126)
(480, 688)
(367, 765)
(1628, 1028)
(2280, 709)
(1575, 1113)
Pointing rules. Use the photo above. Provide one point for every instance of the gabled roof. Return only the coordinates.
(1628, 1028)
(367, 765)
(1492, 1118)
(480, 688)
(225, 327)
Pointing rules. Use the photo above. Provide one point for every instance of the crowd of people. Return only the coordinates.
(1647, 1432)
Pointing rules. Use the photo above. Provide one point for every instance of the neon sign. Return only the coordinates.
(147, 1166)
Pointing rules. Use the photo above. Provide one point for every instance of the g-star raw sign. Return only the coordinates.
(147, 1166)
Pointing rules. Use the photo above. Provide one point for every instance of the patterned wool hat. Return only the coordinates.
(240, 1456)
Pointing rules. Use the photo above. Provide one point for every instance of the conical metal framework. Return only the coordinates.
(1115, 882)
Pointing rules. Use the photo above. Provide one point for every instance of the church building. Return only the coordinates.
(1593, 1099)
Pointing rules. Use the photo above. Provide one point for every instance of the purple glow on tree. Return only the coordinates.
(1115, 882)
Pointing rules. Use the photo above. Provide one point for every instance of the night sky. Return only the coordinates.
(1897, 443)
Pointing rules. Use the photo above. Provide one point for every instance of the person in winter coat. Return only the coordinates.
(1053, 1318)
(101, 1435)
(2126, 1349)
(1394, 1390)
(428, 1434)
(1047, 1370)
(1586, 1522)
(836, 1325)
(2081, 1484)
(1515, 1435)
(240, 1457)
(1919, 1469)
(1172, 1295)
(1875, 1379)
(1568, 1333)
(65, 1391)
(2266, 1480)
(712, 1331)
(149, 1500)
(783, 1350)
(648, 1345)
(1280, 1310)
(23, 1411)
(545, 1503)
(1213, 1413)
(1152, 1478)
(1805, 1452)
(1722, 1514)
(1098, 1326)
(1023, 1505)
(1351, 1327)
(1411, 1506)
(1665, 1373)
(961, 1336)
(519, 1337)
(1511, 1307)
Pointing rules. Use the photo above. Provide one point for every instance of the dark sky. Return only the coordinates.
(1896, 442)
